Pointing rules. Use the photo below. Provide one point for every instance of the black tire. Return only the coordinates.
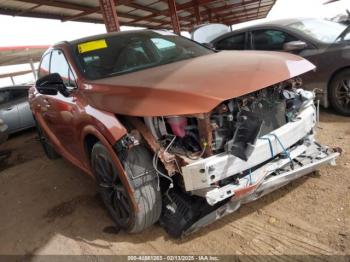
(339, 92)
(143, 181)
(50, 152)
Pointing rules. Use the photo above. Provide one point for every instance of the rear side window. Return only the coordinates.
(271, 39)
(4, 97)
(162, 44)
(44, 67)
(60, 65)
(235, 42)
(19, 94)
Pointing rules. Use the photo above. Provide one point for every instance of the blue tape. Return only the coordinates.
(250, 176)
(283, 148)
(270, 144)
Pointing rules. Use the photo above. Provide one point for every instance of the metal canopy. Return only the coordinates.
(14, 55)
(143, 13)
(18, 73)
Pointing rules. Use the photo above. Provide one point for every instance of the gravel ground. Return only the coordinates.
(50, 207)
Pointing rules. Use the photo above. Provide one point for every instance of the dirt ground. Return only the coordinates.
(50, 207)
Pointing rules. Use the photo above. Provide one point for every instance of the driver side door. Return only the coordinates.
(60, 111)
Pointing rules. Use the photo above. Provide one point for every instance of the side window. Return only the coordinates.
(235, 42)
(71, 78)
(44, 67)
(4, 97)
(271, 39)
(19, 94)
(60, 65)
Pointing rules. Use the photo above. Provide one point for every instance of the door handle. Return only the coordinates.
(9, 108)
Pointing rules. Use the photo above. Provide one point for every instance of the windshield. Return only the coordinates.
(321, 30)
(129, 52)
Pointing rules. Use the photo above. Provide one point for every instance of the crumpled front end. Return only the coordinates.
(243, 149)
(291, 163)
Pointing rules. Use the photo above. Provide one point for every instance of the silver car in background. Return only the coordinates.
(3, 132)
(14, 108)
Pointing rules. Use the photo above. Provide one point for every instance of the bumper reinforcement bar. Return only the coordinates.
(308, 161)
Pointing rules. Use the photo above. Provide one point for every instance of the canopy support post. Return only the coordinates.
(174, 18)
(13, 81)
(33, 68)
(197, 14)
(110, 17)
(210, 18)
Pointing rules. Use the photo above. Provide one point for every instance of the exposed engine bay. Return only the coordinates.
(243, 149)
(234, 125)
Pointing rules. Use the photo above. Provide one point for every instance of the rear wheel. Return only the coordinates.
(142, 180)
(339, 92)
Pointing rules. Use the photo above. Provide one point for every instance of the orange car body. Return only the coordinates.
(189, 90)
(186, 87)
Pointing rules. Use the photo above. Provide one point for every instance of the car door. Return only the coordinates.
(231, 42)
(25, 114)
(8, 111)
(38, 105)
(61, 111)
(273, 39)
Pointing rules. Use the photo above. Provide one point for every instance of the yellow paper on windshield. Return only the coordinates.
(92, 45)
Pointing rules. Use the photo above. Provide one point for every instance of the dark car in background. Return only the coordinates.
(326, 44)
(14, 108)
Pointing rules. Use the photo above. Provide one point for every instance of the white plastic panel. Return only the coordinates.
(202, 173)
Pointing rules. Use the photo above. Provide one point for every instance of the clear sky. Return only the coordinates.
(31, 31)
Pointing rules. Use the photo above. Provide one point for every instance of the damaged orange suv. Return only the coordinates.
(172, 131)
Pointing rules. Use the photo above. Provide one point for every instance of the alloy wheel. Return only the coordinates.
(111, 189)
(342, 93)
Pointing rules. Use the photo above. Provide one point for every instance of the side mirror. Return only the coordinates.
(294, 46)
(51, 84)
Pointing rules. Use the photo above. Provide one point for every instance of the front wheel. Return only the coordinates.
(143, 181)
(339, 92)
